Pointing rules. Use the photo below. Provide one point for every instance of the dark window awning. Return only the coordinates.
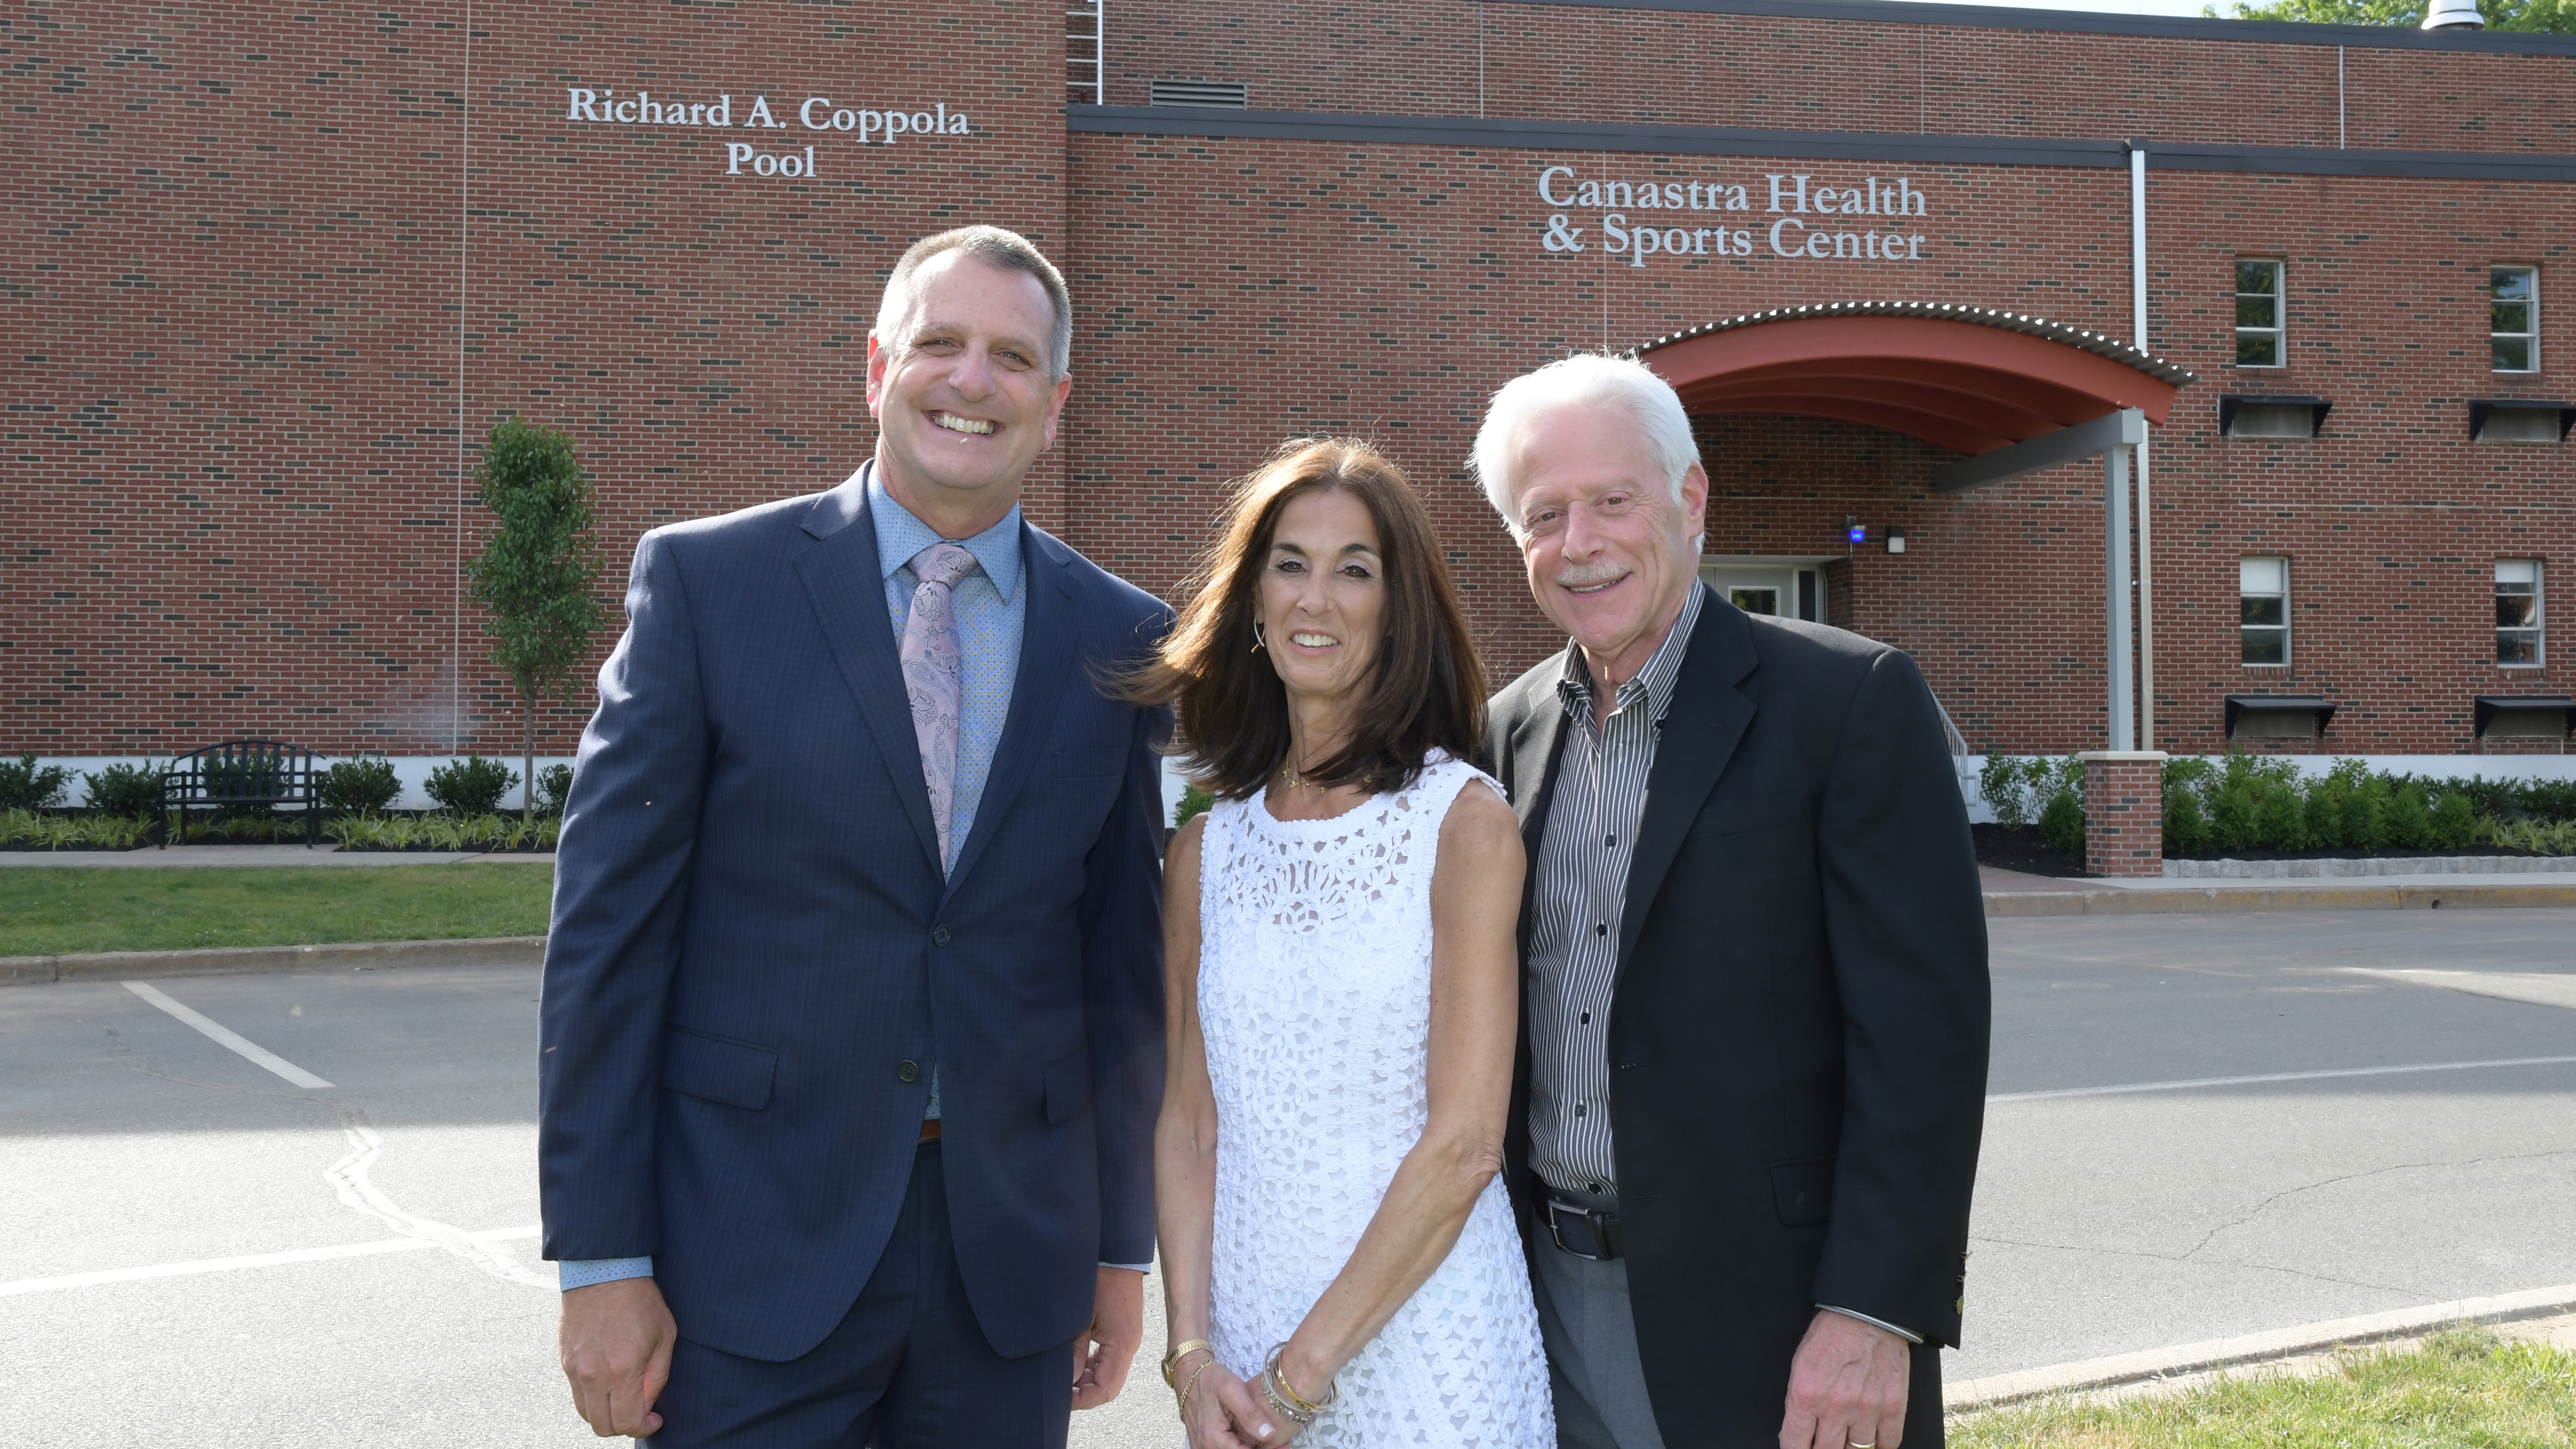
(2525, 715)
(2263, 716)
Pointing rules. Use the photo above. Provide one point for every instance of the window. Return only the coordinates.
(2517, 589)
(2258, 314)
(2513, 318)
(2263, 609)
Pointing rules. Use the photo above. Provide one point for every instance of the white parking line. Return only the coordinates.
(228, 1037)
(2278, 1077)
(253, 1260)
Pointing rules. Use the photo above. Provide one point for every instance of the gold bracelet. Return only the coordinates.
(1182, 1350)
(1270, 1390)
(1185, 1394)
(1296, 1402)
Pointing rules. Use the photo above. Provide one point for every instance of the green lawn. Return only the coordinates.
(2464, 1389)
(48, 911)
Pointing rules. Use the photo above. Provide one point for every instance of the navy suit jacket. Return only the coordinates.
(755, 960)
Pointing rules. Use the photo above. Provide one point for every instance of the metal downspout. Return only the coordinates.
(2146, 557)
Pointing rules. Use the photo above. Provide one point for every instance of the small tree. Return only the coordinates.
(538, 572)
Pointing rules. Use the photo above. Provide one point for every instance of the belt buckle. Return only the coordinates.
(1558, 1212)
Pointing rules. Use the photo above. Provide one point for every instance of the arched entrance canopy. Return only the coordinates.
(1969, 379)
(2015, 393)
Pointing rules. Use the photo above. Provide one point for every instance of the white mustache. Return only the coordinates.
(1584, 576)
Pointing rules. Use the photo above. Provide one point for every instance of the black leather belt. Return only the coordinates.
(1584, 1232)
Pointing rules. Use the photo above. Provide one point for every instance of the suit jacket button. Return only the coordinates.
(907, 1071)
(939, 935)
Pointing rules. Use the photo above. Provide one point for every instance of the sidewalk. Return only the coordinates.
(181, 856)
(2013, 893)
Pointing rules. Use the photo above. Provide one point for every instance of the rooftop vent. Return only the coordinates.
(2453, 15)
(1201, 93)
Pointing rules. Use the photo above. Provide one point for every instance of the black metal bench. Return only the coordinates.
(239, 774)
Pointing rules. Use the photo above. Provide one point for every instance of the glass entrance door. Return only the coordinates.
(1784, 589)
(1754, 598)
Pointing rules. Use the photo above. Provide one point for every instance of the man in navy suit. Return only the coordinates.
(852, 1035)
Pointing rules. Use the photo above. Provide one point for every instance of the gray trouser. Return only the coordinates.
(1591, 1342)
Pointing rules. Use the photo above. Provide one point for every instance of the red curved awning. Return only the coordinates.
(1963, 378)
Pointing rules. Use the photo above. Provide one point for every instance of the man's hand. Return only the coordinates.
(1846, 1386)
(1103, 1352)
(616, 1342)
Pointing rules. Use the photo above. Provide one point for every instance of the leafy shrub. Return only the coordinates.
(2513, 799)
(2061, 822)
(2547, 837)
(361, 786)
(2000, 782)
(27, 830)
(2410, 819)
(25, 785)
(554, 787)
(1194, 801)
(131, 792)
(470, 786)
(247, 828)
(2454, 823)
(443, 833)
(2186, 828)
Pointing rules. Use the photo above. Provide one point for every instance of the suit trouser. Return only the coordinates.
(907, 1368)
(1591, 1338)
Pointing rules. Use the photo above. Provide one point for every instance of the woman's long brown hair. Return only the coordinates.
(1426, 690)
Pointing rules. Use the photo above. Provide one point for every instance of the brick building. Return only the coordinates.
(275, 268)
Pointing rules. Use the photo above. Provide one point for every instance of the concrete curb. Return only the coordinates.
(2366, 868)
(2169, 900)
(2253, 1348)
(246, 960)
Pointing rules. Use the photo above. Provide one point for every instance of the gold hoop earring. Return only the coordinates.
(1257, 641)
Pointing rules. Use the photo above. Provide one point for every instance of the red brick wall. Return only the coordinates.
(233, 290)
(233, 303)
(1579, 63)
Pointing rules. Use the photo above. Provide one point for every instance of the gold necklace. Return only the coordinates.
(1288, 776)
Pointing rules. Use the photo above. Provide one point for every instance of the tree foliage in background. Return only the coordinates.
(2554, 17)
(539, 573)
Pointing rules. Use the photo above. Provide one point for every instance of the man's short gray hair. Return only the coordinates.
(1587, 379)
(994, 247)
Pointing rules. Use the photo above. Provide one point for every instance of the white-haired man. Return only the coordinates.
(1755, 1010)
(852, 1040)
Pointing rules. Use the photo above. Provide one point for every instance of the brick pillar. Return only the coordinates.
(2124, 812)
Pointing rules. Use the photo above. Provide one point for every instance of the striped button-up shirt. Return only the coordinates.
(1581, 892)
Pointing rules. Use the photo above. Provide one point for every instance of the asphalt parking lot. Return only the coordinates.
(194, 1248)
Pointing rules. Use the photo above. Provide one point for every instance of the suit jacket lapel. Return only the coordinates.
(1707, 720)
(1534, 748)
(841, 577)
(1047, 646)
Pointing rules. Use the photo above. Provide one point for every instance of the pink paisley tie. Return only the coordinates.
(934, 677)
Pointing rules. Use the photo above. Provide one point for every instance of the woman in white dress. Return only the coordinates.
(1340, 1263)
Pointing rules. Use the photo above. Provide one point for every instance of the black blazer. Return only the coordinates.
(1798, 1028)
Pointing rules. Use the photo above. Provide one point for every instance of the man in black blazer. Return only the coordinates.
(852, 1036)
(1755, 1010)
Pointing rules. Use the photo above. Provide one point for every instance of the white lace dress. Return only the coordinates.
(1315, 1000)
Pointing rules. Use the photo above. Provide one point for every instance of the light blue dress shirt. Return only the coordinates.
(992, 613)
